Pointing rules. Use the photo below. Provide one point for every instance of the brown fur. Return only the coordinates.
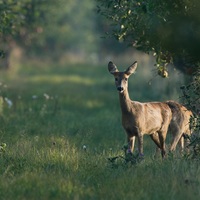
(141, 118)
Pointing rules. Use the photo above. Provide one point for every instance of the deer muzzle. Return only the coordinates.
(120, 89)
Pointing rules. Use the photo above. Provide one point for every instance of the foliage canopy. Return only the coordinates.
(169, 28)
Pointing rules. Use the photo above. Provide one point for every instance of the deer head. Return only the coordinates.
(121, 78)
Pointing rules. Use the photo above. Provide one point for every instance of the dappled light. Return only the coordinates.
(58, 79)
(94, 103)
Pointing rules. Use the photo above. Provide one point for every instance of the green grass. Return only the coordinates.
(55, 113)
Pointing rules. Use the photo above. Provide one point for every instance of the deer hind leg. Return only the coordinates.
(156, 140)
(181, 144)
(162, 137)
(187, 141)
(176, 139)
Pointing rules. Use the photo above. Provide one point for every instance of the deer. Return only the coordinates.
(181, 125)
(138, 119)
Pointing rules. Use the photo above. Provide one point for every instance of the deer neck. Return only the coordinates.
(125, 101)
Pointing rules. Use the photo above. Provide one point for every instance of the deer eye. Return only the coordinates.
(116, 79)
(125, 79)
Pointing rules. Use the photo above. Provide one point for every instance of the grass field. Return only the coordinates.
(61, 124)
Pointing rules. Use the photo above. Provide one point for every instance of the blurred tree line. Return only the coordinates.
(52, 28)
(21, 22)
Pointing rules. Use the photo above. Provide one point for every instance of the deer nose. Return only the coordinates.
(120, 88)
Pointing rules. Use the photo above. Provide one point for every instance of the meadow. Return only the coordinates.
(60, 124)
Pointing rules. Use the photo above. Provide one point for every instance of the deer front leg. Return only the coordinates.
(131, 143)
(140, 145)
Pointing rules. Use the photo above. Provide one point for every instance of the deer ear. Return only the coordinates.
(112, 68)
(130, 70)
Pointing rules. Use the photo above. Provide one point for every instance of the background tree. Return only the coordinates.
(169, 28)
(71, 28)
(22, 21)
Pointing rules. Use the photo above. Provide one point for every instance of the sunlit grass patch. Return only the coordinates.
(61, 79)
(94, 103)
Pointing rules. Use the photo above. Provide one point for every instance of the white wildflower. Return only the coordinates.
(84, 147)
(34, 97)
(9, 102)
(36, 138)
(46, 96)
